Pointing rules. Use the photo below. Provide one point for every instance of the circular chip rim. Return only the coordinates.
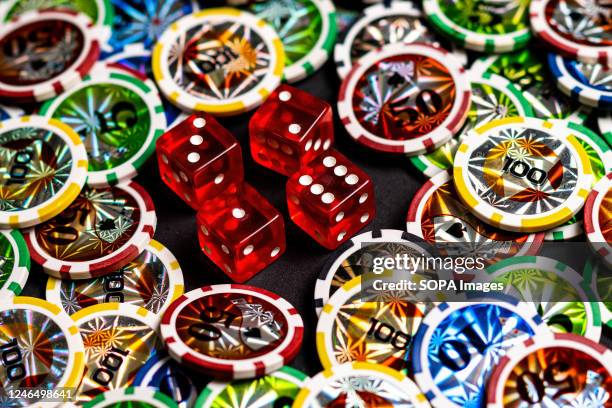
(71, 188)
(18, 277)
(147, 395)
(93, 38)
(214, 388)
(524, 223)
(604, 123)
(501, 372)
(315, 384)
(569, 231)
(591, 219)
(335, 259)
(582, 52)
(94, 268)
(576, 90)
(233, 369)
(176, 283)
(501, 84)
(76, 349)
(145, 316)
(563, 271)
(421, 340)
(432, 140)
(146, 90)
(473, 40)
(589, 283)
(243, 103)
(104, 9)
(413, 218)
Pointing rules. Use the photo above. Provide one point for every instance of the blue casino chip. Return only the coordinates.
(143, 21)
(589, 84)
(164, 374)
(458, 344)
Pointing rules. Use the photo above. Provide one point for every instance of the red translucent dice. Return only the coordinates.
(199, 158)
(290, 129)
(331, 199)
(241, 232)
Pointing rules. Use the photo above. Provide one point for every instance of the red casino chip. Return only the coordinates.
(43, 53)
(405, 98)
(552, 370)
(232, 331)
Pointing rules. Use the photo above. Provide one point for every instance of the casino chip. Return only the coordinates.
(577, 29)
(481, 26)
(115, 335)
(307, 29)
(145, 397)
(528, 71)
(589, 84)
(359, 323)
(600, 158)
(597, 218)
(98, 11)
(553, 370)
(437, 215)
(458, 344)
(380, 25)
(360, 385)
(153, 280)
(405, 98)
(493, 97)
(144, 21)
(165, 375)
(243, 63)
(356, 256)
(604, 122)
(101, 231)
(119, 117)
(277, 389)
(552, 289)
(37, 67)
(14, 263)
(40, 345)
(44, 167)
(232, 331)
(507, 182)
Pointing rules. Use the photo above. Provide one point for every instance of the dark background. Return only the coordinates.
(293, 275)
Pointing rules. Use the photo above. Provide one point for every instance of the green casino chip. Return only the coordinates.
(481, 25)
(118, 116)
(14, 263)
(493, 97)
(307, 29)
(600, 157)
(554, 289)
(100, 11)
(277, 389)
(528, 70)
